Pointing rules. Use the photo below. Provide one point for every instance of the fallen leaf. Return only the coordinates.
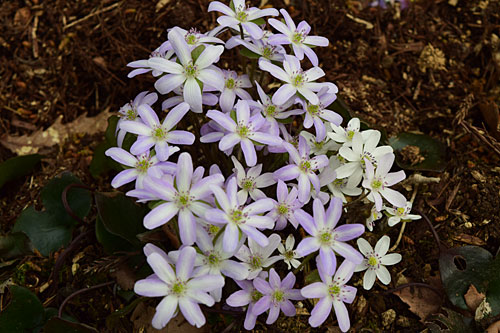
(422, 301)
(56, 133)
(468, 239)
(473, 298)
(494, 328)
(160, 4)
(124, 276)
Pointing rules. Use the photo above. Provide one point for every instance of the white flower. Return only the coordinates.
(322, 147)
(375, 261)
(374, 216)
(256, 257)
(346, 135)
(251, 181)
(401, 214)
(379, 180)
(362, 148)
(288, 254)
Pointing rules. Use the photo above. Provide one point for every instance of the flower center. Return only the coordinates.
(350, 134)
(237, 216)
(289, 255)
(248, 184)
(213, 229)
(298, 37)
(213, 259)
(282, 209)
(256, 295)
(192, 37)
(372, 261)
(159, 133)
(183, 200)
(267, 52)
(334, 290)
(190, 70)
(325, 237)
(314, 110)
(143, 165)
(178, 288)
(298, 80)
(243, 131)
(340, 182)
(305, 166)
(242, 16)
(376, 184)
(230, 84)
(400, 211)
(256, 262)
(369, 157)
(278, 295)
(270, 110)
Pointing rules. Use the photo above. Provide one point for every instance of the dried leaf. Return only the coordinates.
(469, 239)
(124, 276)
(494, 328)
(473, 298)
(422, 301)
(56, 133)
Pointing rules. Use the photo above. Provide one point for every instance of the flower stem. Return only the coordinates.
(303, 263)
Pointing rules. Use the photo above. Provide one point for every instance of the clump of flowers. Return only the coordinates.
(252, 176)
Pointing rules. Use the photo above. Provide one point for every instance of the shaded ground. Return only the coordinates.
(432, 69)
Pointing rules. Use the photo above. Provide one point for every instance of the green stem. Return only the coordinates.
(303, 263)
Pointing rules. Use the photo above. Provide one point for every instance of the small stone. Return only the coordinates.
(388, 317)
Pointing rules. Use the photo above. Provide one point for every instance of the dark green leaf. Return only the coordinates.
(312, 277)
(249, 54)
(121, 216)
(50, 229)
(110, 242)
(14, 245)
(100, 162)
(17, 167)
(259, 21)
(430, 154)
(58, 325)
(196, 52)
(456, 280)
(23, 314)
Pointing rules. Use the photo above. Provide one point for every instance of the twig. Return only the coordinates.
(64, 198)
(303, 263)
(100, 11)
(59, 314)
(356, 200)
(434, 233)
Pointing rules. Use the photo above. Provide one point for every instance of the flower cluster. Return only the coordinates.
(231, 219)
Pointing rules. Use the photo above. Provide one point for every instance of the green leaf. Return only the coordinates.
(430, 151)
(23, 314)
(58, 325)
(50, 229)
(17, 167)
(456, 280)
(14, 245)
(259, 21)
(110, 242)
(121, 216)
(312, 277)
(249, 54)
(196, 52)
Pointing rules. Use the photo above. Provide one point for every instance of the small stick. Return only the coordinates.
(100, 11)
(59, 314)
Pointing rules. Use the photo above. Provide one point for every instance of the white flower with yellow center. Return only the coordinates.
(375, 261)
(399, 214)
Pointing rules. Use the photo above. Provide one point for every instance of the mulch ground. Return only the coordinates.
(433, 68)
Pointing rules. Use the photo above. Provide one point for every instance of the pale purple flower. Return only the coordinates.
(183, 198)
(235, 217)
(363, 148)
(276, 296)
(128, 112)
(379, 180)
(194, 38)
(326, 237)
(189, 71)
(140, 167)
(321, 147)
(259, 47)
(153, 133)
(233, 86)
(272, 112)
(248, 295)
(285, 206)
(243, 132)
(142, 66)
(383, 3)
(345, 135)
(375, 261)
(241, 15)
(402, 213)
(296, 80)
(256, 257)
(316, 113)
(179, 289)
(251, 181)
(332, 292)
(206, 98)
(297, 36)
(339, 187)
(303, 168)
(288, 254)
